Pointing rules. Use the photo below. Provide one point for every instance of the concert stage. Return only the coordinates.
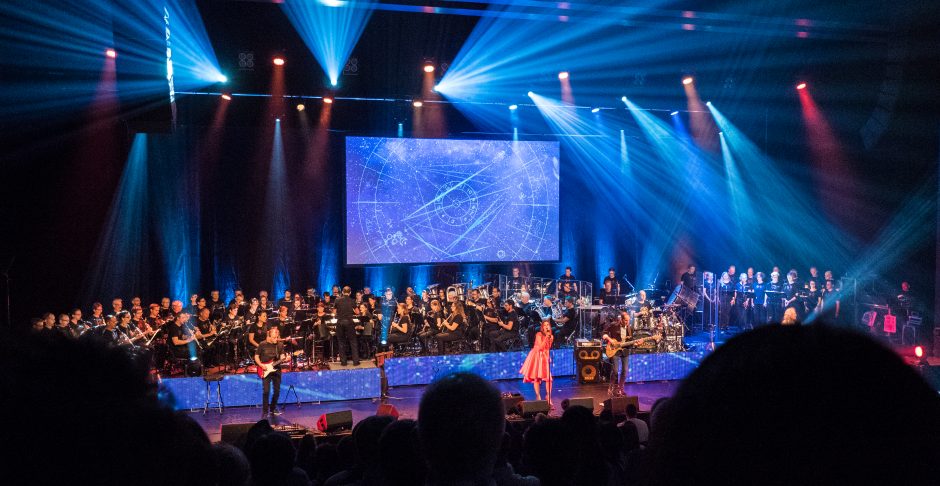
(353, 384)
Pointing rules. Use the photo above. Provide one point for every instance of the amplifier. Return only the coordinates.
(587, 358)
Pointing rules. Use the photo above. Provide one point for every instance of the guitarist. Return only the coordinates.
(270, 352)
(615, 334)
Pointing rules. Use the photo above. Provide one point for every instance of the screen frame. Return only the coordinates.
(345, 210)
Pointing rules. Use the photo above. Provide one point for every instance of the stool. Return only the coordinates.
(217, 379)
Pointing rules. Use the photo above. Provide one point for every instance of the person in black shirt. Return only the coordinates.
(399, 330)
(270, 352)
(688, 278)
(287, 300)
(108, 333)
(791, 292)
(612, 278)
(508, 328)
(775, 297)
(432, 324)
(345, 327)
(216, 306)
(569, 322)
(62, 327)
(760, 300)
(180, 337)
(258, 331)
(452, 328)
(568, 277)
(725, 299)
(97, 316)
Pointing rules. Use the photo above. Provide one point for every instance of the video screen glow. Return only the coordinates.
(412, 200)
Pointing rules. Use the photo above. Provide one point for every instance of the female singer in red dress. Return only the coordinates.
(537, 366)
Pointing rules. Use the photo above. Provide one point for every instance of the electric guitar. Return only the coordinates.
(612, 348)
(268, 367)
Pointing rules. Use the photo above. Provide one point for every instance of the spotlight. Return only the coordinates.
(529, 94)
(226, 97)
(687, 80)
(436, 88)
(563, 75)
(278, 61)
(623, 98)
(674, 113)
(595, 110)
(708, 103)
(384, 342)
(801, 86)
(222, 78)
(333, 82)
(513, 107)
(428, 68)
(417, 104)
(110, 53)
(919, 351)
(300, 107)
(328, 100)
(278, 120)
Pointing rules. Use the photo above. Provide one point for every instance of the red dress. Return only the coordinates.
(537, 365)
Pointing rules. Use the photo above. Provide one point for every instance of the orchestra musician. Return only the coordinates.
(742, 302)
(117, 305)
(62, 327)
(725, 298)
(452, 328)
(496, 295)
(181, 338)
(258, 331)
(287, 301)
(568, 289)
(432, 324)
(617, 333)
(608, 295)
(567, 277)
(760, 300)
(688, 278)
(830, 302)
(507, 328)
(775, 298)
(165, 308)
(813, 300)
(400, 328)
(97, 315)
(239, 302)
(176, 308)
(612, 278)
(108, 333)
(517, 282)
(568, 322)
(270, 353)
(791, 294)
(76, 325)
(216, 306)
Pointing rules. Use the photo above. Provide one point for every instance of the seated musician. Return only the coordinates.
(615, 334)
(257, 331)
(432, 324)
(399, 330)
(496, 296)
(180, 337)
(507, 328)
(452, 328)
(568, 322)
(608, 295)
(568, 289)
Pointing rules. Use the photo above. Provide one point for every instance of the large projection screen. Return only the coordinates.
(411, 200)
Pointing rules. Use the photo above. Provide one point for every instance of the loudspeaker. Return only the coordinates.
(231, 433)
(530, 408)
(387, 410)
(511, 404)
(588, 359)
(586, 402)
(331, 422)
(618, 405)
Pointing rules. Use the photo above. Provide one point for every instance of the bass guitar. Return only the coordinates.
(612, 348)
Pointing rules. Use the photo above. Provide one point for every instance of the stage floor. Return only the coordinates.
(408, 398)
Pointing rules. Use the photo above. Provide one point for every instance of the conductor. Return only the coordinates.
(345, 328)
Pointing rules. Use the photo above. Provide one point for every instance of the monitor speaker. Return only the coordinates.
(618, 405)
(332, 422)
(586, 402)
(232, 433)
(530, 408)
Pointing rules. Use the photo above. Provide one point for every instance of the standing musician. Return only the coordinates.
(165, 308)
(432, 324)
(400, 329)
(216, 306)
(830, 303)
(791, 294)
(608, 296)
(688, 278)
(345, 327)
(452, 328)
(270, 353)
(615, 334)
(507, 328)
(569, 322)
(742, 302)
(813, 300)
(496, 296)
(774, 299)
(760, 300)
(725, 301)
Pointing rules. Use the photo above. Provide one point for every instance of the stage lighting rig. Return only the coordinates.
(226, 97)
(110, 53)
(278, 61)
(417, 104)
(513, 107)
(801, 86)
(328, 100)
(563, 75)
(687, 80)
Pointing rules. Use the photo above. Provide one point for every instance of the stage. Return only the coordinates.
(407, 399)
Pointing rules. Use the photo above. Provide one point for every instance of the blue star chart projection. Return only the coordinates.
(412, 200)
